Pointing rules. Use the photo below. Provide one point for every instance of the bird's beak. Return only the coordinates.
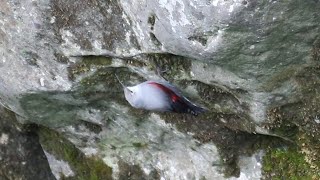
(119, 81)
(123, 86)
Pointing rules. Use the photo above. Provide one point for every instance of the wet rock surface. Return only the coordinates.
(253, 65)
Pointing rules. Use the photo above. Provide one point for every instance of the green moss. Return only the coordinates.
(175, 65)
(87, 63)
(86, 168)
(297, 121)
(310, 148)
(285, 163)
(302, 158)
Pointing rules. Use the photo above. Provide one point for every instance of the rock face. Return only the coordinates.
(254, 65)
(21, 154)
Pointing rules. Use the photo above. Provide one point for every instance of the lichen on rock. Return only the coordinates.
(253, 64)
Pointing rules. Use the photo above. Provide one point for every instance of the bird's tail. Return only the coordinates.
(195, 110)
(185, 106)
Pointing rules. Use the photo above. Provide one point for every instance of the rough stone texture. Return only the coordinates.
(21, 155)
(253, 64)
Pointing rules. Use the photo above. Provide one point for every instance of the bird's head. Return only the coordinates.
(132, 95)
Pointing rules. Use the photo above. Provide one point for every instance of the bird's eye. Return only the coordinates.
(131, 92)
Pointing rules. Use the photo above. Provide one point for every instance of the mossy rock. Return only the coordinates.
(174, 65)
(297, 121)
(287, 163)
(86, 64)
(85, 168)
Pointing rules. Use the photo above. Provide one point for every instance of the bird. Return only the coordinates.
(159, 96)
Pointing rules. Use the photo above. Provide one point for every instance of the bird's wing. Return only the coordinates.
(178, 102)
(170, 91)
(167, 86)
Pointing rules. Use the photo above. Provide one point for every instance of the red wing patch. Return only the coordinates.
(178, 103)
(173, 96)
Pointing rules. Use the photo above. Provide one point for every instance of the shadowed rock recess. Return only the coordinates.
(255, 65)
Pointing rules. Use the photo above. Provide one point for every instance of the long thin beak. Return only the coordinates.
(124, 87)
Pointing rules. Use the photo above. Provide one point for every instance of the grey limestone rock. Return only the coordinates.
(253, 64)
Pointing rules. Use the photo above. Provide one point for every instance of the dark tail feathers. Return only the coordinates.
(185, 106)
(195, 110)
